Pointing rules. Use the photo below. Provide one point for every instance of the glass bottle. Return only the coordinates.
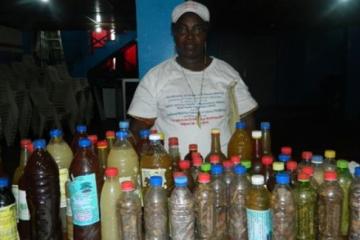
(267, 170)
(257, 150)
(237, 209)
(291, 168)
(8, 229)
(330, 160)
(124, 126)
(283, 209)
(266, 138)
(258, 210)
(345, 180)
(305, 160)
(102, 153)
(143, 143)
(354, 229)
(240, 143)
(110, 137)
(317, 162)
(219, 187)
(184, 166)
(193, 148)
(174, 152)
(278, 167)
(215, 146)
(81, 132)
(195, 168)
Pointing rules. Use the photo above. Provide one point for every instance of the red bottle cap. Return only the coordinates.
(303, 177)
(197, 161)
(195, 155)
(291, 165)
(184, 164)
(308, 170)
(203, 177)
(330, 176)
(173, 141)
(111, 172)
(214, 159)
(110, 134)
(306, 155)
(127, 186)
(102, 144)
(267, 160)
(93, 138)
(228, 164)
(25, 142)
(193, 147)
(235, 160)
(178, 174)
(286, 150)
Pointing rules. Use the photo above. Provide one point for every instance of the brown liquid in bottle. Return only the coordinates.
(215, 146)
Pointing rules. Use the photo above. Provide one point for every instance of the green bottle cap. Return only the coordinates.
(342, 164)
(205, 167)
(278, 166)
(246, 163)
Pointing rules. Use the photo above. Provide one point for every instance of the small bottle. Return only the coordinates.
(284, 158)
(205, 167)
(129, 212)
(240, 143)
(283, 209)
(345, 180)
(8, 229)
(174, 152)
(193, 148)
(354, 230)
(291, 168)
(156, 211)
(181, 211)
(195, 168)
(278, 167)
(102, 153)
(110, 137)
(266, 138)
(305, 160)
(143, 143)
(204, 207)
(267, 162)
(317, 162)
(215, 146)
(258, 210)
(124, 126)
(184, 166)
(309, 170)
(219, 187)
(214, 159)
(235, 160)
(81, 132)
(237, 208)
(93, 139)
(257, 150)
(329, 207)
(330, 160)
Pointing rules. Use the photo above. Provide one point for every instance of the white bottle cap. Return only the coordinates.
(256, 134)
(154, 137)
(257, 179)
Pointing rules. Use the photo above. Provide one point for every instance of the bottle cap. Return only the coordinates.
(330, 176)
(308, 170)
(121, 134)
(215, 131)
(181, 181)
(156, 181)
(342, 164)
(111, 172)
(267, 160)
(193, 147)
(286, 150)
(154, 137)
(317, 159)
(4, 182)
(123, 124)
(55, 133)
(184, 164)
(330, 154)
(291, 165)
(84, 143)
(127, 186)
(178, 174)
(284, 158)
(93, 138)
(239, 170)
(173, 141)
(25, 142)
(217, 169)
(144, 133)
(357, 172)
(278, 166)
(265, 125)
(205, 167)
(246, 163)
(303, 177)
(306, 155)
(102, 144)
(203, 178)
(197, 161)
(195, 155)
(161, 135)
(235, 160)
(240, 125)
(110, 134)
(256, 134)
(257, 179)
(81, 128)
(214, 159)
(228, 164)
(282, 178)
(39, 143)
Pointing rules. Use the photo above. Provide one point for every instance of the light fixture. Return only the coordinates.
(45, 1)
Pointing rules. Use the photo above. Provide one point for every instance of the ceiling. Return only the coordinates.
(247, 15)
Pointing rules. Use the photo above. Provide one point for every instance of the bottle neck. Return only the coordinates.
(112, 179)
(215, 143)
(257, 149)
(174, 150)
(266, 142)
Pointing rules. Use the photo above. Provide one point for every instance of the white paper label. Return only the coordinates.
(23, 209)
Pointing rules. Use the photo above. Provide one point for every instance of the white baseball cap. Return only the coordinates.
(190, 6)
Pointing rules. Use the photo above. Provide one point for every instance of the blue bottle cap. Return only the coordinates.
(4, 182)
(144, 133)
(84, 143)
(264, 125)
(81, 128)
(156, 181)
(284, 158)
(317, 159)
(54, 133)
(282, 178)
(240, 125)
(121, 134)
(123, 124)
(39, 143)
(239, 170)
(217, 169)
(181, 181)
(357, 172)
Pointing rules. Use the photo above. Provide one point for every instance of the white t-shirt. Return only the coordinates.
(167, 94)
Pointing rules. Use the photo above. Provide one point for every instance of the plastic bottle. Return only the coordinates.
(8, 229)
(345, 180)
(195, 168)
(110, 137)
(124, 126)
(181, 211)
(102, 154)
(215, 146)
(330, 161)
(174, 152)
(354, 229)
(108, 202)
(69, 224)
(291, 168)
(84, 193)
(329, 207)
(266, 138)
(258, 210)
(283, 209)
(184, 166)
(143, 143)
(193, 148)
(278, 167)
(43, 193)
(305, 199)
(228, 178)
(204, 207)
(257, 150)
(93, 139)
(81, 132)
(267, 170)
(240, 143)
(317, 162)
(284, 158)
(219, 186)
(305, 160)
(129, 212)
(156, 162)
(237, 209)
(156, 211)
(309, 170)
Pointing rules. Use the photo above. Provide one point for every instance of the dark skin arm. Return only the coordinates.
(137, 123)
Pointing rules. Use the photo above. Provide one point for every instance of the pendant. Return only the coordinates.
(198, 119)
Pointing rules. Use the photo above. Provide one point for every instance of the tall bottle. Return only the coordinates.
(305, 199)
(354, 230)
(278, 167)
(174, 152)
(193, 148)
(195, 168)
(63, 156)
(129, 212)
(110, 194)
(329, 207)
(215, 146)
(345, 180)
(291, 168)
(143, 143)
(240, 143)
(84, 193)
(237, 208)
(258, 210)
(43, 193)
(124, 126)
(156, 211)
(228, 178)
(283, 209)
(110, 137)
(330, 160)
(8, 229)
(184, 166)
(156, 162)
(102, 154)
(257, 150)
(81, 132)
(181, 211)
(317, 162)
(219, 186)
(266, 138)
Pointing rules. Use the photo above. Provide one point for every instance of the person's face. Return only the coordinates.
(190, 33)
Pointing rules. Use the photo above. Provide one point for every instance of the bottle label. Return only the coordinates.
(259, 224)
(23, 208)
(15, 192)
(8, 230)
(84, 200)
(63, 177)
(146, 173)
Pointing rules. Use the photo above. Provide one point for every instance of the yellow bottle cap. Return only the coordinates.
(278, 166)
(330, 154)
